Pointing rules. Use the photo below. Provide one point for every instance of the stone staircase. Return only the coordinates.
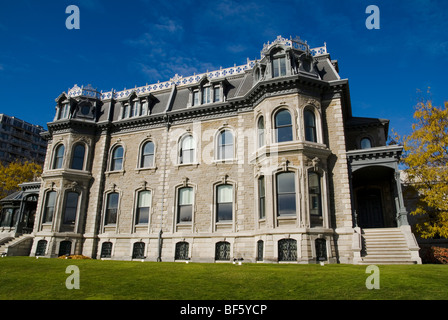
(385, 246)
(18, 246)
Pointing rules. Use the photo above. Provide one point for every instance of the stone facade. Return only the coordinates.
(264, 175)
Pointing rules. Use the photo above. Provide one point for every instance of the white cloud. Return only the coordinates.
(168, 25)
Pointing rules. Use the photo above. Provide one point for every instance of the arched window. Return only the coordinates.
(106, 250)
(58, 157)
(138, 251)
(225, 145)
(260, 249)
(111, 208)
(315, 196)
(321, 249)
(366, 143)
(49, 207)
(143, 207)
(185, 205)
(287, 250)
(222, 251)
(260, 132)
(187, 150)
(286, 194)
(41, 248)
(78, 157)
(71, 208)
(65, 248)
(283, 126)
(224, 202)
(147, 156)
(310, 126)
(7, 217)
(117, 159)
(182, 249)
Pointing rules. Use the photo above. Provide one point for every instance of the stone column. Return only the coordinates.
(402, 215)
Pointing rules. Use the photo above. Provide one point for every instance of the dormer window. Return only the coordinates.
(216, 94)
(64, 111)
(206, 95)
(130, 109)
(279, 67)
(134, 109)
(195, 98)
(144, 111)
(125, 111)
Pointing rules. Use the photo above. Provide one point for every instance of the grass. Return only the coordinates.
(27, 278)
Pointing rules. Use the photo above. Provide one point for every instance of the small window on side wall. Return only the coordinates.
(366, 143)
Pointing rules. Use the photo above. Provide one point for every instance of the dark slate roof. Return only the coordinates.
(16, 196)
(326, 70)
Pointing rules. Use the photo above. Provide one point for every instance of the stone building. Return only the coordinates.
(20, 140)
(261, 162)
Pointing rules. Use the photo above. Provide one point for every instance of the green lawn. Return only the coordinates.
(42, 279)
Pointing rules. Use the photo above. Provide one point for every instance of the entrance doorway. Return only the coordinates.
(370, 208)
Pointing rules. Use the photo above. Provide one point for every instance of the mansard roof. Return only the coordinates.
(238, 81)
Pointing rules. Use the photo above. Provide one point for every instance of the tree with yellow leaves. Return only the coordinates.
(426, 159)
(17, 172)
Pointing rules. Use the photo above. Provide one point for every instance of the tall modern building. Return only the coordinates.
(20, 140)
(262, 161)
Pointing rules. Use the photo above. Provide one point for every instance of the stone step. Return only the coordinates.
(4, 247)
(385, 246)
(382, 261)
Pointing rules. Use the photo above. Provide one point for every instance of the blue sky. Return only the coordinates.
(123, 44)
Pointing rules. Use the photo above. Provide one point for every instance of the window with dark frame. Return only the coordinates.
(310, 126)
(106, 250)
(283, 126)
(78, 157)
(71, 208)
(49, 207)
